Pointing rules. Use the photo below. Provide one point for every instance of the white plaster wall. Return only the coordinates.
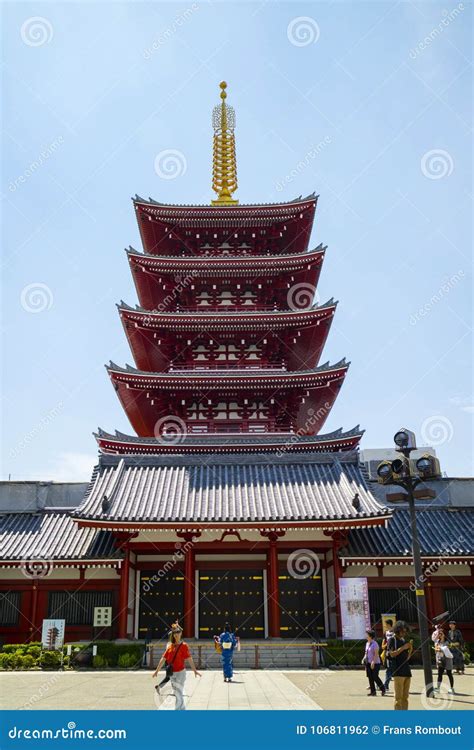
(360, 571)
(92, 574)
(394, 571)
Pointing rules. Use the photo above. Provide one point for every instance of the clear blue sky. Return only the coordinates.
(94, 91)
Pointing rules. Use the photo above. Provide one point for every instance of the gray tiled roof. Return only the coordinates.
(314, 487)
(442, 531)
(52, 536)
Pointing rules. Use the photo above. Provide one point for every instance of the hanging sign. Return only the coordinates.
(52, 634)
(354, 601)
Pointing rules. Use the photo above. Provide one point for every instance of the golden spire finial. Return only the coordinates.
(224, 165)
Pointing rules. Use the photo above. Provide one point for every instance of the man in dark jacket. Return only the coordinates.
(399, 652)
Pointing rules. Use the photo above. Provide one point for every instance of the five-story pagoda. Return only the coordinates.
(226, 339)
(227, 398)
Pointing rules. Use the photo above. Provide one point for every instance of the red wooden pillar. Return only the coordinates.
(429, 601)
(189, 581)
(189, 591)
(337, 542)
(123, 594)
(34, 610)
(339, 539)
(273, 592)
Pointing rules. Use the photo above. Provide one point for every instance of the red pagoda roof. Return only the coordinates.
(205, 266)
(167, 229)
(320, 376)
(222, 320)
(122, 444)
(190, 214)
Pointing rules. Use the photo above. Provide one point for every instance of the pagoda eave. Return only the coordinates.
(122, 444)
(192, 380)
(232, 321)
(204, 266)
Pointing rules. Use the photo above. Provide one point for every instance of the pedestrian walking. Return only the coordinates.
(399, 651)
(176, 655)
(444, 662)
(456, 645)
(228, 642)
(388, 662)
(372, 664)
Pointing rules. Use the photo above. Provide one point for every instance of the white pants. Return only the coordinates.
(177, 683)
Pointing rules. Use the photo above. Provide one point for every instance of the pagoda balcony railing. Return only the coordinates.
(233, 308)
(235, 366)
(246, 427)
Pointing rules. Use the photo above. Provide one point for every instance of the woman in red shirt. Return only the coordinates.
(176, 655)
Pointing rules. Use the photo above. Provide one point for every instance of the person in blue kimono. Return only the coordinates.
(228, 642)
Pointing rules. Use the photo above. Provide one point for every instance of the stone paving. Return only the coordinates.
(251, 689)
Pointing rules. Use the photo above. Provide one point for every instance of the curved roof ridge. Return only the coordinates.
(151, 201)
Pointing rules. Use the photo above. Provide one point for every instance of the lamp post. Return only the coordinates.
(398, 472)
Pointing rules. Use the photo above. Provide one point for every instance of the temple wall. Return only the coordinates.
(360, 571)
(92, 574)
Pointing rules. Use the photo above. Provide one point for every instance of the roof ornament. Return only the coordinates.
(224, 164)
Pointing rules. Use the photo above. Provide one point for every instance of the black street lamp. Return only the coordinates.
(398, 472)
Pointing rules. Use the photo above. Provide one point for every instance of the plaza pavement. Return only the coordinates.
(251, 689)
